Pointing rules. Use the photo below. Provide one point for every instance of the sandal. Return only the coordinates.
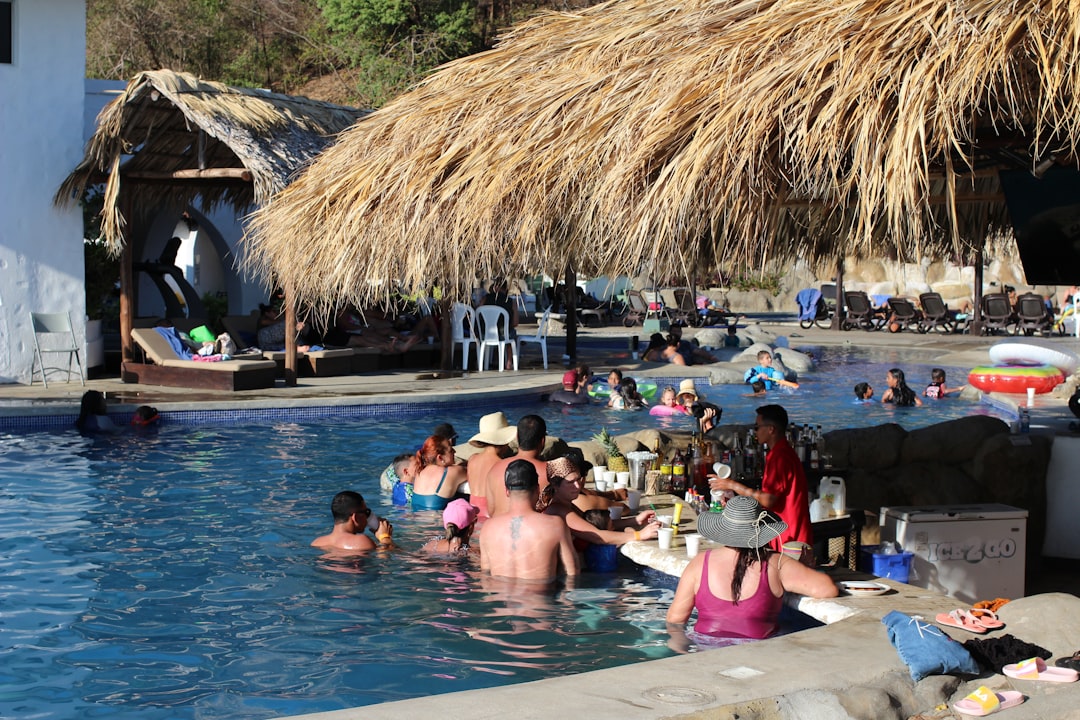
(985, 701)
(1072, 663)
(1036, 669)
(987, 618)
(961, 619)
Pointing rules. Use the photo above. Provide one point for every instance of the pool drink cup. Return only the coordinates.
(373, 522)
(598, 472)
(615, 511)
(601, 485)
(664, 520)
(1031, 397)
(622, 478)
(721, 470)
(693, 544)
(665, 536)
(609, 477)
(633, 500)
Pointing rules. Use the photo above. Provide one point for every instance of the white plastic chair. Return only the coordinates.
(495, 334)
(57, 325)
(463, 326)
(540, 338)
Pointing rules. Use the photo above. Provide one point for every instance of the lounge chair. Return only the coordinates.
(997, 313)
(685, 309)
(936, 314)
(166, 367)
(813, 309)
(903, 312)
(636, 308)
(860, 312)
(1032, 315)
(313, 363)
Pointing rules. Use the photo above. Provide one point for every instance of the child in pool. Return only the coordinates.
(764, 371)
(627, 397)
(600, 558)
(936, 388)
(669, 404)
(898, 392)
(864, 392)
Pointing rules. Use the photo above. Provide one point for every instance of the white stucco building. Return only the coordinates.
(41, 139)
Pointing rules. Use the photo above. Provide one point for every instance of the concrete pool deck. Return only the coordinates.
(846, 669)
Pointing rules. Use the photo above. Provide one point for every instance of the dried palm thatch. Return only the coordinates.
(190, 138)
(699, 131)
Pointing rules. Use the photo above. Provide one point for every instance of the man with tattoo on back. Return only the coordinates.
(522, 543)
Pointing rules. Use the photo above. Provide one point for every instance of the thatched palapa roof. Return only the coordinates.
(727, 130)
(170, 137)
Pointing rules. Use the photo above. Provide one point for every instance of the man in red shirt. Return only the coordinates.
(783, 487)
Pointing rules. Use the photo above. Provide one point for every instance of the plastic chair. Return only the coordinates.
(494, 325)
(57, 325)
(540, 338)
(463, 325)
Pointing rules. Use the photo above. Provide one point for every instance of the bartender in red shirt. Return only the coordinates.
(783, 487)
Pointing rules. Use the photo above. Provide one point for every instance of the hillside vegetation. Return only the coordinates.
(354, 52)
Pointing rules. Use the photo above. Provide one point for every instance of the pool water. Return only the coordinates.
(168, 575)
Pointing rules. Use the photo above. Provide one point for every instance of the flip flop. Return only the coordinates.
(987, 618)
(961, 619)
(1072, 662)
(1036, 669)
(985, 701)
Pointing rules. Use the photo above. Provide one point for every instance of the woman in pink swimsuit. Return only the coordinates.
(738, 588)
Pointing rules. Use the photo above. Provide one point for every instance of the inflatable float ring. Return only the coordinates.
(1015, 378)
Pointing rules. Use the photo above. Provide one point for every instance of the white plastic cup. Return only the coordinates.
(623, 478)
(430, 339)
(693, 544)
(664, 520)
(609, 477)
(373, 522)
(598, 472)
(664, 537)
(615, 511)
(721, 470)
(1031, 397)
(601, 486)
(633, 500)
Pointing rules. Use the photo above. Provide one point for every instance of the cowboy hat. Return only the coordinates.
(494, 430)
(742, 524)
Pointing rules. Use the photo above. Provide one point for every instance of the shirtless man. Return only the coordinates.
(520, 542)
(531, 434)
(351, 515)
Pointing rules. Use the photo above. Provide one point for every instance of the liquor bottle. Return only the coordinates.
(678, 474)
(800, 446)
(815, 451)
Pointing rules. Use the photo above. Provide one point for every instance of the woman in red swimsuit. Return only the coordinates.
(738, 588)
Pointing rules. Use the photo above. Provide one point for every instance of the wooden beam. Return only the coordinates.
(191, 174)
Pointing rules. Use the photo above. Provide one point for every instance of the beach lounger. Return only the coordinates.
(936, 314)
(860, 312)
(166, 367)
(997, 313)
(903, 312)
(313, 363)
(1032, 315)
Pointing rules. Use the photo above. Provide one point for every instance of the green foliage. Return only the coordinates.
(767, 281)
(101, 269)
(217, 307)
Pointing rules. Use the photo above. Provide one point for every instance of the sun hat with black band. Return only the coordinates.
(742, 524)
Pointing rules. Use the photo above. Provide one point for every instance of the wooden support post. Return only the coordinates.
(571, 313)
(127, 285)
(976, 326)
(446, 359)
(838, 316)
(290, 339)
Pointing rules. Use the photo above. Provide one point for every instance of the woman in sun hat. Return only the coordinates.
(738, 588)
(459, 520)
(494, 439)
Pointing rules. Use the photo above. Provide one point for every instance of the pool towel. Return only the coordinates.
(173, 337)
(807, 300)
(926, 649)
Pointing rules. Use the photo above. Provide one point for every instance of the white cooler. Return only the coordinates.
(971, 552)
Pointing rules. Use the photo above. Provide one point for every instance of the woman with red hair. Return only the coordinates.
(440, 477)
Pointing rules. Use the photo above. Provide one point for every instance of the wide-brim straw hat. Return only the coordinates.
(686, 387)
(742, 524)
(494, 430)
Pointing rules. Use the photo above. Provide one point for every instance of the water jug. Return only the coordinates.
(834, 493)
(640, 461)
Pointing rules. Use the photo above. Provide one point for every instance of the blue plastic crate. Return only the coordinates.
(894, 566)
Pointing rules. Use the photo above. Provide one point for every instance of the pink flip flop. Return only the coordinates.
(961, 619)
(985, 701)
(987, 618)
(1036, 669)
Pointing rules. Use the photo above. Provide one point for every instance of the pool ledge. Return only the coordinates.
(847, 669)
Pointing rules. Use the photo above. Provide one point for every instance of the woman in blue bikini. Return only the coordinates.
(440, 477)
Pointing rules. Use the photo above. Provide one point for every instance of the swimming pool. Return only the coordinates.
(169, 575)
